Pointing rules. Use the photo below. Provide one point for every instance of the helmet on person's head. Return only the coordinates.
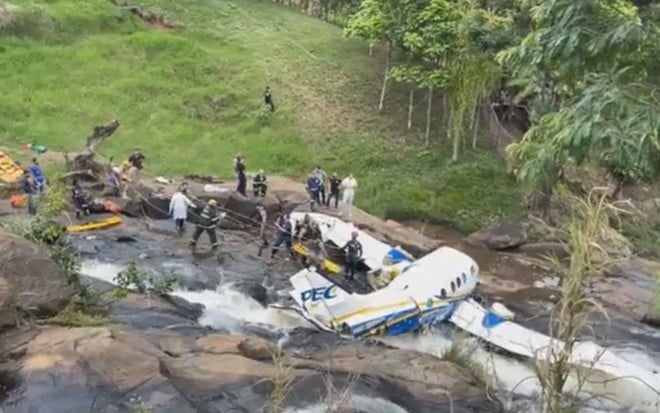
(213, 202)
(261, 171)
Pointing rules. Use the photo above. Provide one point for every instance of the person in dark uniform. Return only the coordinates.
(314, 188)
(284, 235)
(334, 190)
(353, 251)
(137, 159)
(242, 179)
(208, 220)
(80, 200)
(262, 217)
(268, 99)
(29, 188)
(259, 184)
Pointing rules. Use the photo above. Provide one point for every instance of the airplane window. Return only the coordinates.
(464, 277)
(453, 287)
(443, 293)
(458, 282)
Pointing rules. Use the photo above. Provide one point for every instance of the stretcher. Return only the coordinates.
(9, 171)
(327, 265)
(94, 225)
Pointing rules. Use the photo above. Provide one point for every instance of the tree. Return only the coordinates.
(584, 70)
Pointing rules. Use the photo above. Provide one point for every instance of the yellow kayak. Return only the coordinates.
(328, 265)
(92, 225)
(9, 171)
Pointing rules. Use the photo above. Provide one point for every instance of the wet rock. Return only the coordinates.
(544, 249)
(66, 369)
(635, 268)
(252, 289)
(500, 237)
(30, 284)
(170, 313)
(241, 208)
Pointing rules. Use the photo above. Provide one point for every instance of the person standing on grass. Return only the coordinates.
(349, 185)
(179, 205)
(242, 179)
(334, 190)
(268, 99)
(238, 158)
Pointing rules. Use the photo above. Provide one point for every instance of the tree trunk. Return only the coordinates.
(371, 49)
(475, 126)
(386, 77)
(456, 145)
(428, 117)
(410, 106)
(446, 115)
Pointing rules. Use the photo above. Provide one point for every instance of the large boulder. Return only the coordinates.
(499, 237)
(116, 367)
(30, 283)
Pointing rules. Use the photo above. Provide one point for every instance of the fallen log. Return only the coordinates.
(84, 165)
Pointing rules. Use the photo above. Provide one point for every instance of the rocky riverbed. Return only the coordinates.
(213, 345)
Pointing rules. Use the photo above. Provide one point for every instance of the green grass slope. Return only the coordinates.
(190, 98)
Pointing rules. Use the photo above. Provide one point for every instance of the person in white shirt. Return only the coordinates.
(179, 209)
(348, 185)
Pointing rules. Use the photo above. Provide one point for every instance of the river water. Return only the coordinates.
(230, 309)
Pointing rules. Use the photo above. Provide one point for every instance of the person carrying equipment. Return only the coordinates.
(353, 250)
(259, 184)
(284, 235)
(335, 182)
(80, 200)
(208, 221)
(28, 187)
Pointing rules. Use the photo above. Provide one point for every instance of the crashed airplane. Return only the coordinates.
(404, 295)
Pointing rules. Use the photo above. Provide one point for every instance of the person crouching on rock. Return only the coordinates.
(259, 184)
(208, 221)
(80, 200)
(353, 250)
(284, 235)
(179, 205)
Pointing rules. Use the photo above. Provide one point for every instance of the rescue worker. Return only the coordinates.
(268, 99)
(113, 182)
(259, 184)
(28, 188)
(80, 200)
(208, 221)
(284, 235)
(262, 216)
(179, 205)
(323, 178)
(307, 229)
(37, 176)
(313, 188)
(353, 251)
(237, 159)
(334, 190)
(242, 179)
(137, 159)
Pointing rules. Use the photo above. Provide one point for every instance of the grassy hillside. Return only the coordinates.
(190, 98)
